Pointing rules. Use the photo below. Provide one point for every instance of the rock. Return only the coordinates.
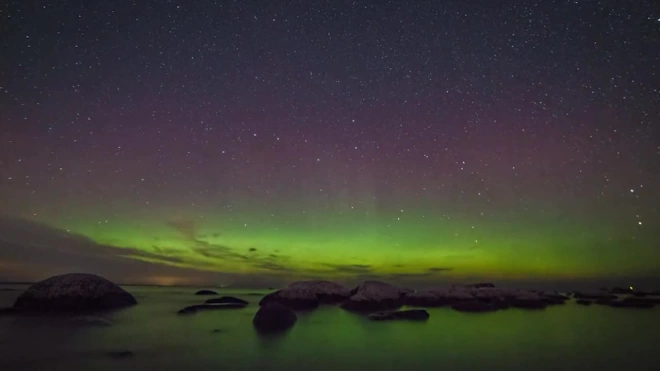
(74, 292)
(206, 292)
(593, 295)
(373, 296)
(584, 302)
(427, 298)
(604, 301)
(633, 302)
(273, 317)
(120, 354)
(227, 300)
(554, 298)
(192, 309)
(326, 292)
(8, 311)
(474, 306)
(481, 285)
(292, 298)
(529, 301)
(305, 295)
(216, 331)
(90, 321)
(410, 314)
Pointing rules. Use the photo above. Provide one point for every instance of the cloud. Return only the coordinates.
(439, 269)
(33, 251)
(349, 268)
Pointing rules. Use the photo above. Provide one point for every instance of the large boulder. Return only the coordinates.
(273, 317)
(373, 296)
(410, 314)
(326, 292)
(302, 295)
(74, 292)
(293, 298)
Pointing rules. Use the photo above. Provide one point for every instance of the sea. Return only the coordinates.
(565, 337)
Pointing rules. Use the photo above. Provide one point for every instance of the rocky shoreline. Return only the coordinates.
(81, 294)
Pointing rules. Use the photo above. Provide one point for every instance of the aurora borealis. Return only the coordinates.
(222, 142)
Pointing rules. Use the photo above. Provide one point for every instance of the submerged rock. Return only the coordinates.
(373, 296)
(74, 292)
(8, 311)
(90, 321)
(192, 309)
(226, 300)
(594, 295)
(206, 292)
(633, 302)
(410, 314)
(273, 317)
(120, 354)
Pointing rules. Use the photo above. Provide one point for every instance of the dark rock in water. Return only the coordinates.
(474, 306)
(410, 314)
(325, 291)
(481, 285)
(196, 308)
(292, 298)
(226, 300)
(206, 292)
(90, 321)
(120, 354)
(216, 331)
(554, 298)
(593, 295)
(584, 302)
(73, 293)
(529, 302)
(273, 317)
(305, 295)
(373, 296)
(427, 298)
(633, 302)
(8, 311)
(604, 301)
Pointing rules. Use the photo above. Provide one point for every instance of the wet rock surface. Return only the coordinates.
(74, 292)
(274, 317)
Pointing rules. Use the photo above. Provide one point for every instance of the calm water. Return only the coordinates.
(569, 337)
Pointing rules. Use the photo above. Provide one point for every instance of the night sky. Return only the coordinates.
(230, 142)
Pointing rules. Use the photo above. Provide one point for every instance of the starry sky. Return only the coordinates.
(245, 142)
